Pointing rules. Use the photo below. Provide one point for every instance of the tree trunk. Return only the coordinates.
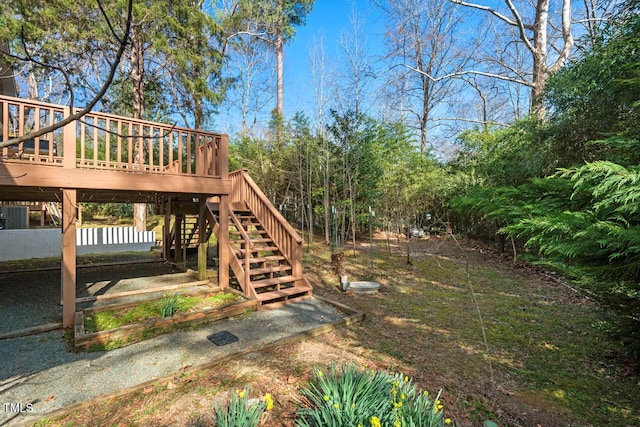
(539, 46)
(32, 84)
(540, 70)
(309, 194)
(137, 79)
(325, 193)
(198, 115)
(280, 84)
(426, 98)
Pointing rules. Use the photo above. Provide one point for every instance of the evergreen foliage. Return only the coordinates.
(598, 241)
(583, 219)
(509, 156)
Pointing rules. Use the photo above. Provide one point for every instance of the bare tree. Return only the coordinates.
(353, 90)
(533, 28)
(595, 13)
(424, 36)
(251, 92)
(356, 72)
(319, 75)
(273, 22)
(27, 56)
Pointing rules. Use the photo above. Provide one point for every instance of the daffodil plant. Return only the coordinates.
(349, 396)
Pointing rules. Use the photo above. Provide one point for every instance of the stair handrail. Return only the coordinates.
(241, 229)
(172, 234)
(284, 236)
(267, 203)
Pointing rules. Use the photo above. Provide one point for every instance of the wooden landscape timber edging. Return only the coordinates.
(141, 291)
(353, 316)
(82, 339)
(79, 266)
(48, 327)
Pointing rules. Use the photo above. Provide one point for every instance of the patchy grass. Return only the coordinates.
(112, 319)
(547, 362)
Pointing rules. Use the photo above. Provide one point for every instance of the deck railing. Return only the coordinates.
(107, 141)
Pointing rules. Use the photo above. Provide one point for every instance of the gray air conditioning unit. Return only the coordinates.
(14, 217)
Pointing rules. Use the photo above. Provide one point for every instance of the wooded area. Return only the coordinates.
(501, 117)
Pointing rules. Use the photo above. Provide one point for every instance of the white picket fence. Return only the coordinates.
(113, 236)
(44, 243)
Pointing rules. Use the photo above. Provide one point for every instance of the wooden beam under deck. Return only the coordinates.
(91, 180)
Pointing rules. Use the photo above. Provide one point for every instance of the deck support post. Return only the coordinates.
(166, 230)
(202, 238)
(224, 256)
(69, 206)
(177, 253)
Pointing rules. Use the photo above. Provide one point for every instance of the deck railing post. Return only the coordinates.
(222, 159)
(296, 259)
(69, 142)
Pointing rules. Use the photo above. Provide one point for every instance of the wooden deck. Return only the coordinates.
(107, 158)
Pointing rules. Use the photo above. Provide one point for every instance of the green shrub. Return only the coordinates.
(353, 397)
(240, 411)
(168, 306)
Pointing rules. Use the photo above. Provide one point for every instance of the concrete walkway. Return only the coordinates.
(39, 375)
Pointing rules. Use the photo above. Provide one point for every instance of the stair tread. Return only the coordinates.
(267, 258)
(239, 251)
(252, 241)
(262, 240)
(260, 249)
(249, 232)
(265, 249)
(273, 281)
(267, 296)
(267, 270)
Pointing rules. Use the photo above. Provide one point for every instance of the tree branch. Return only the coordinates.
(72, 117)
(473, 72)
(566, 36)
(106, 18)
(486, 9)
(462, 119)
(521, 26)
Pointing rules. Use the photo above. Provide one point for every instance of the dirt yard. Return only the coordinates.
(503, 341)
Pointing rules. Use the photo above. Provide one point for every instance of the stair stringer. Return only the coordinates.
(234, 262)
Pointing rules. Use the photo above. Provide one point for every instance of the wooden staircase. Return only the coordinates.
(266, 252)
(187, 226)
